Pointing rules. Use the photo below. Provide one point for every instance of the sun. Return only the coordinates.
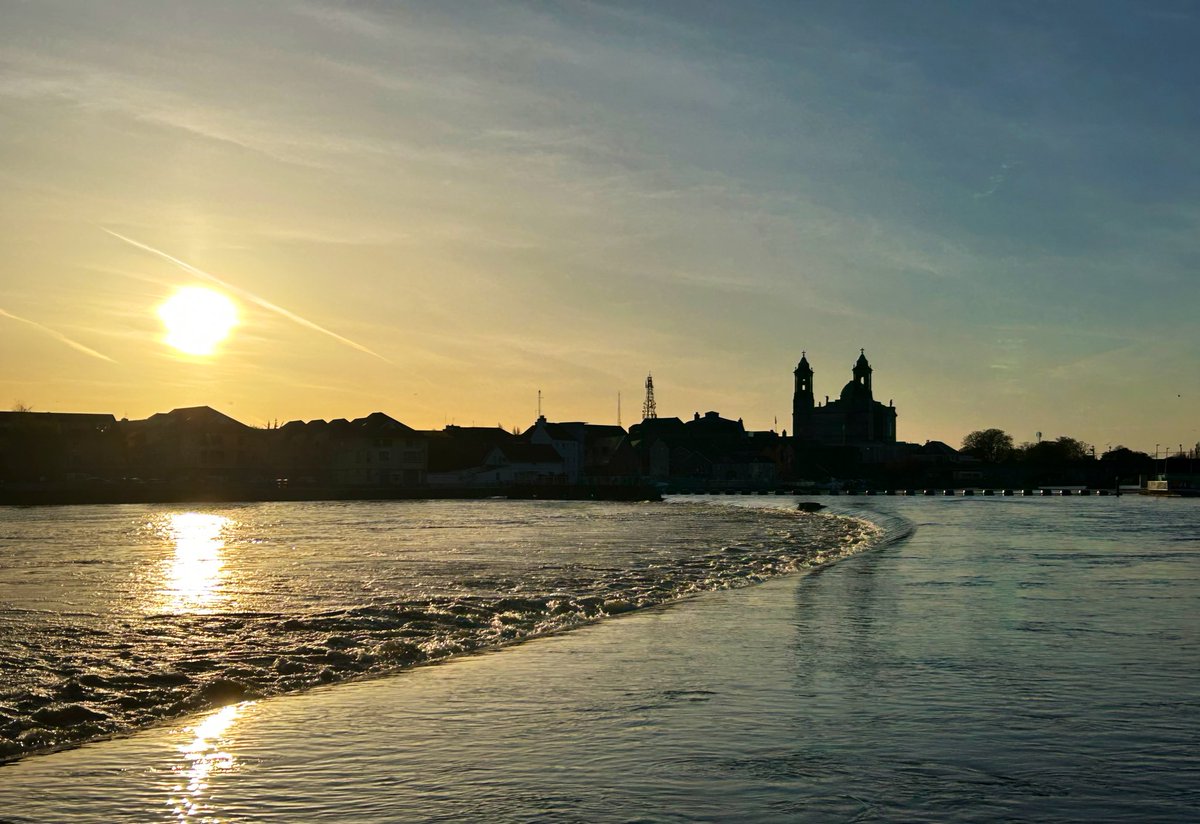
(197, 319)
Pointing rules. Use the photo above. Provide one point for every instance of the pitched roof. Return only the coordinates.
(379, 422)
(70, 420)
(561, 431)
(461, 447)
(936, 448)
(713, 424)
(577, 431)
(656, 426)
(196, 415)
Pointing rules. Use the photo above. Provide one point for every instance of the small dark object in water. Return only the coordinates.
(809, 506)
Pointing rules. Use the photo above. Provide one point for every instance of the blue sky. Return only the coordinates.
(998, 201)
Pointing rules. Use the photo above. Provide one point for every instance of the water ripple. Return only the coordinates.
(181, 611)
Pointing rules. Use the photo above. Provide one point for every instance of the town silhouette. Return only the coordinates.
(846, 444)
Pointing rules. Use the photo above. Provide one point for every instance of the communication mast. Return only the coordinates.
(648, 408)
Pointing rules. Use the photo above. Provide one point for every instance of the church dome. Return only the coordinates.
(854, 391)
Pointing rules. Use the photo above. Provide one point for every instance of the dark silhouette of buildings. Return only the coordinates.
(196, 443)
(59, 446)
(708, 450)
(585, 448)
(375, 451)
(848, 442)
(854, 419)
(480, 456)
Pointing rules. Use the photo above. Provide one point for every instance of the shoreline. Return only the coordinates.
(370, 656)
(324, 752)
(183, 493)
(176, 493)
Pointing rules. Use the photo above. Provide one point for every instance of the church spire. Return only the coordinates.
(862, 369)
(802, 398)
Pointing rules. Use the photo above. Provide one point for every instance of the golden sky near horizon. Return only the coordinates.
(438, 210)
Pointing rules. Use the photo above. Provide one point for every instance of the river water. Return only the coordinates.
(113, 618)
(969, 659)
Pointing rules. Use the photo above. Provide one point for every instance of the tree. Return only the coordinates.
(1071, 449)
(1125, 463)
(1123, 454)
(21, 407)
(988, 445)
(1061, 450)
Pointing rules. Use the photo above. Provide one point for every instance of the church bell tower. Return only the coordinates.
(863, 370)
(802, 399)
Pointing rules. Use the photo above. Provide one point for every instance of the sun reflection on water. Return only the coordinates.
(194, 575)
(203, 757)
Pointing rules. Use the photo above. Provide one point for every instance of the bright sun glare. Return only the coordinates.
(197, 319)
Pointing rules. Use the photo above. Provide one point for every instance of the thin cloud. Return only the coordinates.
(996, 181)
(355, 21)
(93, 87)
(59, 336)
(249, 296)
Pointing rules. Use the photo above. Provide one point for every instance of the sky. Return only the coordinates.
(437, 210)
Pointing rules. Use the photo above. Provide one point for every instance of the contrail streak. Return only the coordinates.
(58, 336)
(249, 296)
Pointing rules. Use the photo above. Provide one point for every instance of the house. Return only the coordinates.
(376, 450)
(518, 463)
(60, 447)
(458, 455)
(300, 452)
(707, 450)
(586, 449)
(196, 443)
(565, 438)
(654, 439)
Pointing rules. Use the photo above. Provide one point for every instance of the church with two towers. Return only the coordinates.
(855, 418)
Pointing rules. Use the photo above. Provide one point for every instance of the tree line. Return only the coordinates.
(996, 448)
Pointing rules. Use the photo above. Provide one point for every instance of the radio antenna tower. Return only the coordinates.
(648, 408)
